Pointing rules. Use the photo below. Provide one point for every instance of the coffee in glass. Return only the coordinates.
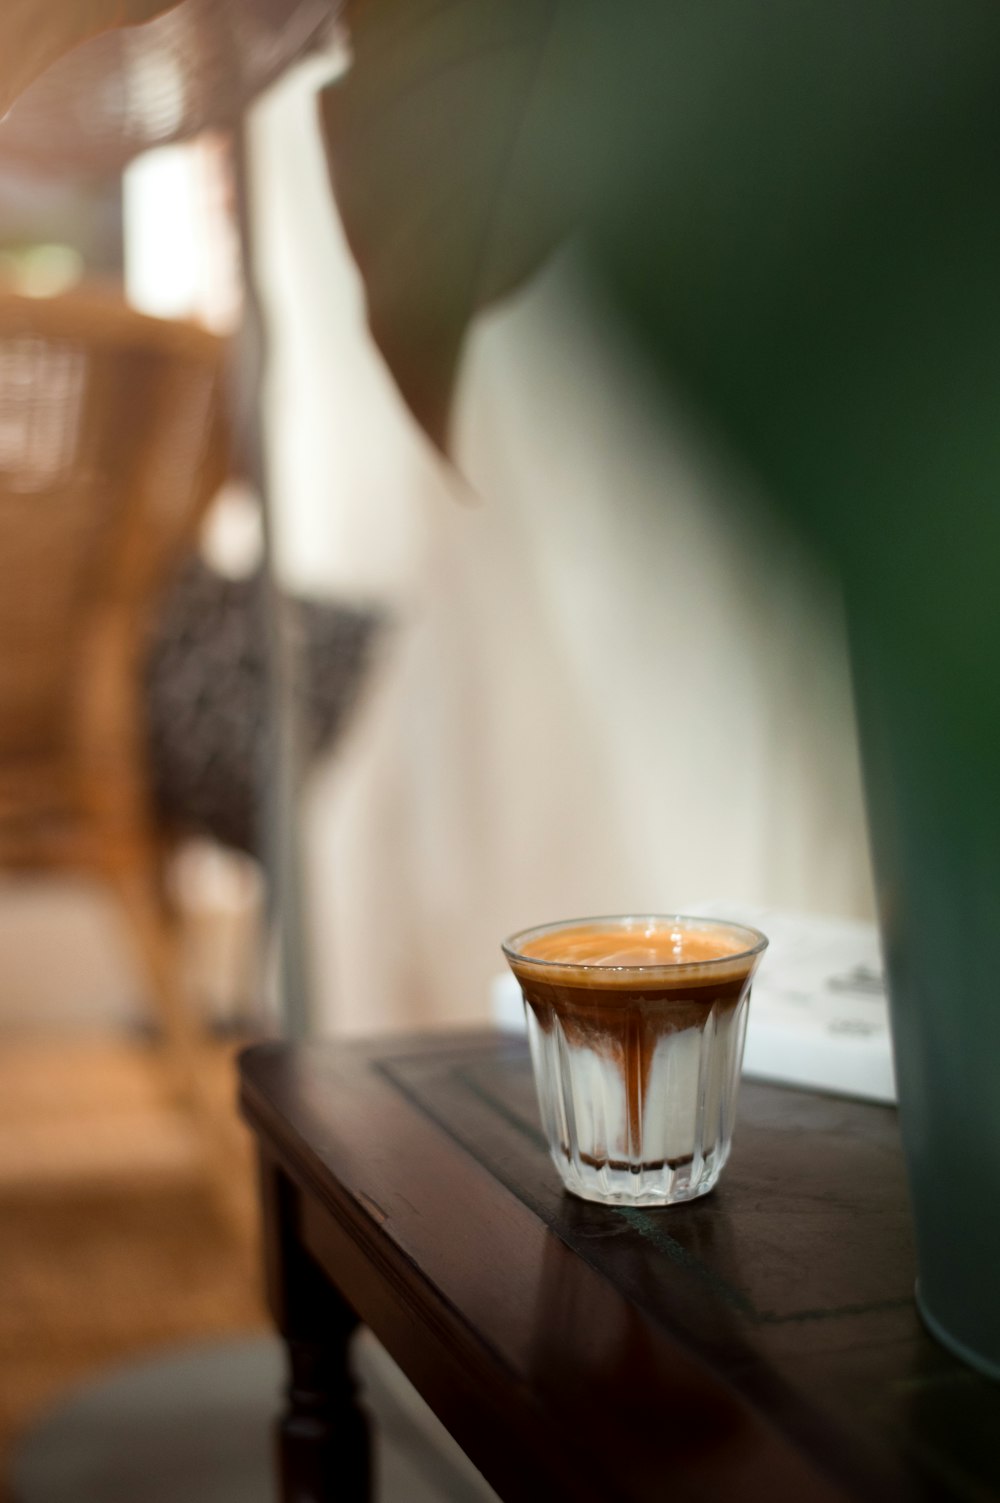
(636, 1026)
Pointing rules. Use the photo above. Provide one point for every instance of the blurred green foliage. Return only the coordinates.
(796, 208)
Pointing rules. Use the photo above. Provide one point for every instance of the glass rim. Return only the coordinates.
(758, 943)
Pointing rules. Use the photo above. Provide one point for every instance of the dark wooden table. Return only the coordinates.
(761, 1343)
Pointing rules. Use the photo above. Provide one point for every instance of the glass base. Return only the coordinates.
(644, 1185)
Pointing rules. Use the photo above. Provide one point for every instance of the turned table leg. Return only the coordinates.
(323, 1443)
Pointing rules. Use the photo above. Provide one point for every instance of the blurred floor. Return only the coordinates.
(110, 1243)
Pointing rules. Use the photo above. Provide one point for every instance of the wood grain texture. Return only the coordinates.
(759, 1342)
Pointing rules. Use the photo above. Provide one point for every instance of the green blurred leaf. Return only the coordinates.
(795, 205)
(450, 148)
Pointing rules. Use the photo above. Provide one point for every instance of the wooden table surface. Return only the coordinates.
(759, 1343)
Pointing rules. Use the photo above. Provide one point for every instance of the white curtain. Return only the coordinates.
(611, 684)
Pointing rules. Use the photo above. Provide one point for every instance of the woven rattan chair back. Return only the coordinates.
(111, 444)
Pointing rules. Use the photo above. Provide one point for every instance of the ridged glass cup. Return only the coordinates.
(636, 1026)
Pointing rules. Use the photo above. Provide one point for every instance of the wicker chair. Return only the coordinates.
(112, 442)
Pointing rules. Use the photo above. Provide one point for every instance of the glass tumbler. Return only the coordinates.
(636, 1026)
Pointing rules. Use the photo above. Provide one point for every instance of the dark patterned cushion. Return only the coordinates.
(209, 702)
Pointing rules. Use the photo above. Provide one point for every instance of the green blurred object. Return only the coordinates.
(796, 210)
(936, 857)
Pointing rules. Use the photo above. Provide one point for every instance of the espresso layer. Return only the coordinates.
(646, 959)
(648, 944)
(635, 999)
